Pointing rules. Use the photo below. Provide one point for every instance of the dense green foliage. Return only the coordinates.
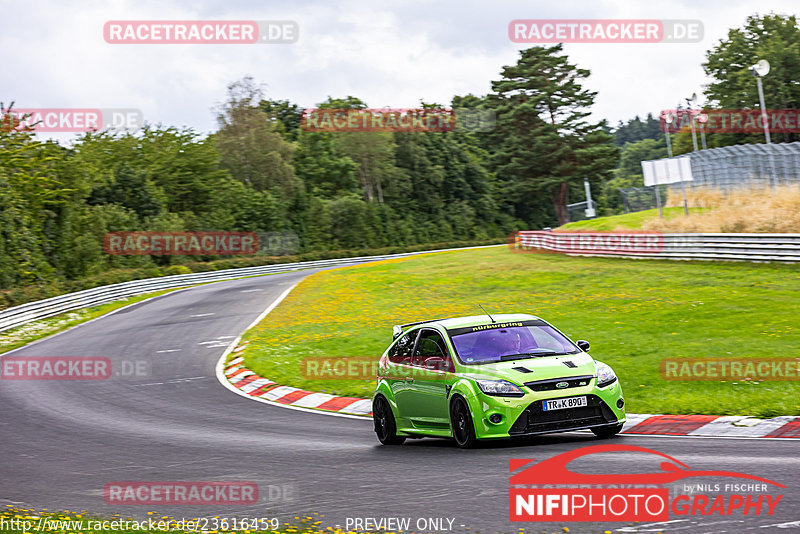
(637, 129)
(261, 172)
(775, 38)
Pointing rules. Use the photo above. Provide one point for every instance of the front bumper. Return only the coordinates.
(525, 415)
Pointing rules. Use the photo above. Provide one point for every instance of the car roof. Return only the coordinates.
(478, 320)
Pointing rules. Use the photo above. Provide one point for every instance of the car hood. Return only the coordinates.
(540, 368)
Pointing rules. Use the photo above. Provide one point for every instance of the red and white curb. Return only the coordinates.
(718, 426)
(241, 380)
(787, 427)
(256, 386)
(246, 383)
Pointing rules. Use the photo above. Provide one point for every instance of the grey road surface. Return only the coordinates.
(62, 441)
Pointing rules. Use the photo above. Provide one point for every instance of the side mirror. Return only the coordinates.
(397, 331)
(583, 345)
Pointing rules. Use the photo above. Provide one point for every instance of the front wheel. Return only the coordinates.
(607, 431)
(461, 424)
(385, 427)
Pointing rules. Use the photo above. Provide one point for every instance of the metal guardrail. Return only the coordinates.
(730, 247)
(42, 309)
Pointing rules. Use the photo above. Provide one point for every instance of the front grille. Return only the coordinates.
(534, 420)
(552, 384)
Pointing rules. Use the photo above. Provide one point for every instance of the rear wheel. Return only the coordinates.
(385, 427)
(607, 431)
(461, 423)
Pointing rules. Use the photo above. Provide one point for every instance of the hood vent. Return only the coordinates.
(569, 364)
(522, 369)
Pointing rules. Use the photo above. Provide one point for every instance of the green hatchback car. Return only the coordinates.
(489, 377)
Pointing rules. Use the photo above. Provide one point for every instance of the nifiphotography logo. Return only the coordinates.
(549, 491)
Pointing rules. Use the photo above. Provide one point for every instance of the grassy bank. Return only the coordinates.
(625, 222)
(634, 313)
(758, 210)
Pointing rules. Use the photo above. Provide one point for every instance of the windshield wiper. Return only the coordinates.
(526, 355)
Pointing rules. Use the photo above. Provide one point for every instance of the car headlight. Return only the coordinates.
(605, 374)
(499, 388)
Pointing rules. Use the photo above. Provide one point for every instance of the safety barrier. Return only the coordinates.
(732, 247)
(41, 309)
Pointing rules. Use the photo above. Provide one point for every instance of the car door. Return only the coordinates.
(399, 371)
(427, 395)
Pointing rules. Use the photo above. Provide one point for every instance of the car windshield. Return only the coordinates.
(509, 341)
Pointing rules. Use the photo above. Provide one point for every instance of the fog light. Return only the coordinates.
(495, 418)
(620, 403)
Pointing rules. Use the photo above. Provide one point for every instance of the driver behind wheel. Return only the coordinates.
(506, 341)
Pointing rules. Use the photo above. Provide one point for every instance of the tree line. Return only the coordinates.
(773, 37)
(260, 171)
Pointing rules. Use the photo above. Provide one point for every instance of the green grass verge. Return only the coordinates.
(634, 313)
(14, 520)
(627, 221)
(14, 338)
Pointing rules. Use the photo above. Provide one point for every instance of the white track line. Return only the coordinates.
(112, 312)
(220, 370)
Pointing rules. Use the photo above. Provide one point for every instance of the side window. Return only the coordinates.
(430, 345)
(401, 351)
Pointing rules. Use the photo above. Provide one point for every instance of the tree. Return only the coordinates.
(444, 179)
(629, 172)
(285, 115)
(372, 152)
(252, 150)
(325, 172)
(771, 37)
(30, 195)
(544, 141)
(637, 129)
(132, 190)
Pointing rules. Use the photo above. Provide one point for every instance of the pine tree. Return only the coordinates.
(545, 142)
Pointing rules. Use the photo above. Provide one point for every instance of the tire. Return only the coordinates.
(461, 423)
(607, 431)
(383, 419)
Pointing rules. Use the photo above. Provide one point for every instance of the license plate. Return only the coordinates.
(561, 404)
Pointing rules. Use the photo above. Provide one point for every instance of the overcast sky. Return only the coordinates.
(386, 53)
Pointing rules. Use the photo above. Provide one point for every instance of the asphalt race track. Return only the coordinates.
(61, 441)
